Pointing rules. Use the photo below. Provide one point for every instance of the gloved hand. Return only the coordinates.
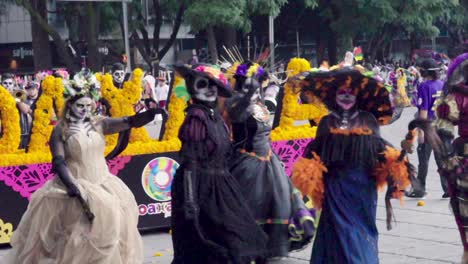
(59, 166)
(142, 119)
(191, 208)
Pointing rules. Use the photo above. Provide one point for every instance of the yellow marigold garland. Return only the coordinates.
(10, 122)
(122, 102)
(292, 110)
(297, 65)
(176, 112)
(43, 114)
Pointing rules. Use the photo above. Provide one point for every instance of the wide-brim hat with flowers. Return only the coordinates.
(208, 71)
(371, 95)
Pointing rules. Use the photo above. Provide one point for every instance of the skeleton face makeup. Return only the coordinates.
(9, 84)
(118, 76)
(250, 85)
(345, 99)
(82, 108)
(205, 90)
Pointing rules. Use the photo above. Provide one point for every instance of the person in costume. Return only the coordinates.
(85, 214)
(452, 110)
(26, 109)
(346, 163)
(9, 82)
(428, 91)
(118, 74)
(277, 205)
(211, 221)
(399, 81)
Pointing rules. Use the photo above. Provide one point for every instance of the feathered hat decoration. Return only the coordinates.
(371, 95)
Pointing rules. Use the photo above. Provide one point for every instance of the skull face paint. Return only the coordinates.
(250, 85)
(82, 108)
(205, 90)
(118, 76)
(9, 84)
(345, 98)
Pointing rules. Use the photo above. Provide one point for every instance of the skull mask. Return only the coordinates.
(118, 76)
(82, 108)
(251, 88)
(9, 84)
(205, 90)
(345, 98)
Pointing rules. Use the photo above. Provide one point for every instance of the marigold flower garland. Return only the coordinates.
(176, 111)
(122, 101)
(10, 122)
(292, 110)
(53, 93)
(52, 89)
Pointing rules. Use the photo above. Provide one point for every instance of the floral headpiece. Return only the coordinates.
(40, 75)
(247, 70)
(207, 71)
(82, 84)
(212, 72)
(63, 73)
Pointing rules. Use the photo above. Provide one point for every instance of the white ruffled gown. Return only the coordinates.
(55, 230)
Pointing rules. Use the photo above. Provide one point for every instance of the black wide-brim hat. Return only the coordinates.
(207, 71)
(371, 95)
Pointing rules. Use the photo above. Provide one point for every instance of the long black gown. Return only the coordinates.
(277, 206)
(226, 231)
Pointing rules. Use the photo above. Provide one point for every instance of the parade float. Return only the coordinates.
(147, 166)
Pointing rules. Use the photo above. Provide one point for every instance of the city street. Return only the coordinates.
(423, 234)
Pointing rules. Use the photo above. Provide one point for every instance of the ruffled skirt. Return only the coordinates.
(55, 230)
(277, 206)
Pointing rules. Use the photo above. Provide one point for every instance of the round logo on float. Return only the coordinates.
(157, 177)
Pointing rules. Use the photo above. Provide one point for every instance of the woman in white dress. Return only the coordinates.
(55, 228)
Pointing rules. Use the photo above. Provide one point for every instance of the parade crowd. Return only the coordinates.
(232, 200)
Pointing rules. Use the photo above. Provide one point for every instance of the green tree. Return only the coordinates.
(40, 18)
(412, 19)
(165, 12)
(206, 16)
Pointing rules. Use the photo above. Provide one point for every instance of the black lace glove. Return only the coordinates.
(59, 167)
(191, 208)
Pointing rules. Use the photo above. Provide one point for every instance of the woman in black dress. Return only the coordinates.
(277, 206)
(211, 222)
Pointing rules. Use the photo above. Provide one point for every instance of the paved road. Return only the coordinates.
(422, 235)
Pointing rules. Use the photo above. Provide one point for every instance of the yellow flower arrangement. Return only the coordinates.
(53, 94)
(19, 157)
(10, 122)
(297, 65)
(122, 102)
(176, 112)
(42, 127)
(292, 110)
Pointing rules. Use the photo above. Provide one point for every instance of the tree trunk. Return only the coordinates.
(212, 44)
(141, 48)
(332, 48)
(92, 35)
(321, 46)
(60, 44)
(175, 29)
(415, 42)
(40, 39)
